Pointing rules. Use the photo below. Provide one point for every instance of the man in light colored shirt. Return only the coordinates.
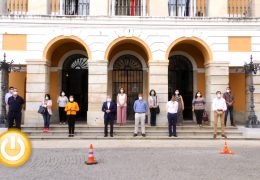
(7, 96)
(219, 107)
(172, 109)
(140, 109)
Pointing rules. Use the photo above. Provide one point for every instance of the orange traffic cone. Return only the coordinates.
(91, 160)
(226, 150)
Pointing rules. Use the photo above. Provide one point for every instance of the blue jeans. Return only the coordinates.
(172, 121)
(46, 118)
(230, 109)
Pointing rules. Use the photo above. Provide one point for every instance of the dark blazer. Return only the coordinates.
(112, 108)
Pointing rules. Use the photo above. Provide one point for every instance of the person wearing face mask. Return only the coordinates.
(121, 107)
(229, 97)
(172, 109)
(62, 101)
(153, 104)
(179, 99)
(47, 103)
(140, 109)
(7, 95)
(219, 107)
(15, 103)
(198, 107)
(109, 109)
(71, 109)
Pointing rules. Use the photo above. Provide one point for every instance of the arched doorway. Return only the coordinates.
(128, 73)
(75, 81)
(180, 76)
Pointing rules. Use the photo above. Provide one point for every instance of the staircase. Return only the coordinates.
(82, 131)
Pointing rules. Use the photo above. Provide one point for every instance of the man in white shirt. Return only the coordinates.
(172, 109)
(219, 107)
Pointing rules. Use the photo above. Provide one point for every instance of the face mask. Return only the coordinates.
(228, 91)
(15, 93)
(63, 94)
(219, 95)
(140, 98)
(152, 93)
(11, 91)
(46, 98)
(71, 99)
(177, 93)
(108, 99)
(121, 91)
(198, 95)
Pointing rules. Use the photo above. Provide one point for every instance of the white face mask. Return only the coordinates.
(228, 90)
(176, 92)
(71, 99)
(15, 93)
(108, 99)
(121, 91)
(11, 91)
(198, 95)
(152, 93)
(140, 98)
(63, 94)
(46, 98)
(219, 95)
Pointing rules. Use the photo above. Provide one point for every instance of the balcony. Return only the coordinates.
(129, 7)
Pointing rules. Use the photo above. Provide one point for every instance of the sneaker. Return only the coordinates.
(214, 136)
(135, 134)
(143, 135)
(223, 135)
(47, 130)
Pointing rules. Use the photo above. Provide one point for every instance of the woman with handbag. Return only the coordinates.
(198, 107)
(47, 103)
(153, 106)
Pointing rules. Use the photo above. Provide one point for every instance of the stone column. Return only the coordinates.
(97, 92)
(37, 85)
(158, 80)
(217, 79)
(256, 80)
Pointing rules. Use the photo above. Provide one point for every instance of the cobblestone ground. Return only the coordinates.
(145, 163)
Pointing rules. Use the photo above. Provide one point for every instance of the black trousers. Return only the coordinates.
(62, 114)
(14, 116)
(172, 121)
(199, 115)
(229, 110)
(111, 123)
(153, 116)
(71, 123)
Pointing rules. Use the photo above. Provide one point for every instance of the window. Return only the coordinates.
(129, 7)
(187, 7)
(70, 7)
(239, 8)
(17, 7)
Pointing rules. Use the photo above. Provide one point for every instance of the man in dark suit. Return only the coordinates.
(109, 109)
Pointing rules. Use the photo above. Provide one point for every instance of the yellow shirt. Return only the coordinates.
(71, 108)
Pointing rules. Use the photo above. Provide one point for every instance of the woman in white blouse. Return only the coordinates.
(153, 104)
(172, 109)
(62, 101)
(121, 107)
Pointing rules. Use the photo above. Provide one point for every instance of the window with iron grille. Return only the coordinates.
(187, 7)
(129, 7)
(17, 7)
(240, 8)
(70, 7)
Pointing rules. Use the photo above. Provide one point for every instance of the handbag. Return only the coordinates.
(157, 110)
(205, 117)
(42, 110)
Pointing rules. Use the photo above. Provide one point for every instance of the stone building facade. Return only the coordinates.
(90, 48)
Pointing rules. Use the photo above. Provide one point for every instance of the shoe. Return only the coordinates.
(60, 123)
(69, 135)
(72, 135)
(223, 135)
(64, 123)
(143, 135)
(170, 135)
(111, 135)
(175, 135)
(44, 129)
(214, 136)
(233, 125)
(47, 130)
(105, 135)
(135, 134)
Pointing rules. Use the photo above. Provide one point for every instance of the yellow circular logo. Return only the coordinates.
(15, 148)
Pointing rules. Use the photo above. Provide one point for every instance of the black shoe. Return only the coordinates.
(105, 135)
(233, 125)
(72, 135)
(223, 135)
(175, 135)
(170, 135)
(143, 135)
(214, 136)
(111, 135)
(135, 134)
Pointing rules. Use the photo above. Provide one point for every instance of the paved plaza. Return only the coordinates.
(139, 160)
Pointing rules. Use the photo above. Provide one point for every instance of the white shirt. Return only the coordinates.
(218, 104)
(172, 107)
(108, 104)
(7, 95)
